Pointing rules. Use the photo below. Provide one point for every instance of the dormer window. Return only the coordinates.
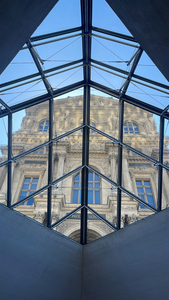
(130, 128)
(44, 126)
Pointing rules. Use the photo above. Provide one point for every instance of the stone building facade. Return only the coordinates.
(30, 172)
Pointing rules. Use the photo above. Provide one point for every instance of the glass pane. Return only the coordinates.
(90, 176)
(147, 140)
(58, 53)
(30, 172)
(132, 211)
(68, 114)
(96, 228)
(108, 79)
(71, 227)
(147, 68)
(33, 186)
(3, 184)
(104, 112)
(27, 180)
(25, 186)
(3, 138)
(150, 200)
(30, 201)
(113, 52)
(97, 197)
(76, 184)
(75, 196)
(147, 183)
(21, 65)
(67, 14)
(90, 197)
(34, 208)
(35, 180)
(148, 190)
(165, 189)
(26, 134)
(105, 17)
(148, 94)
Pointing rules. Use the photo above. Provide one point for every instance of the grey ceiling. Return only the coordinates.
(147, 20)
(18, 20)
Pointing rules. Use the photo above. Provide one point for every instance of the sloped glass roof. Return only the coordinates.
(96, 54)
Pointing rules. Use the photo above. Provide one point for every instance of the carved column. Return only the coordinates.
(125, 172)
(60, 169)
(112, 159)
(166, 187)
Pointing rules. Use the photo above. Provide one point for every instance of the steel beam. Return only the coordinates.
(101, 218)
(43, 98)
(116, 34)
(34, 75)
(141, 78)
(122, 189)
(160, 169)
(54, 34)
(66, 217)
(121, 121)
(9, 181)
(86, 17)
(50, 153)
(143, 105)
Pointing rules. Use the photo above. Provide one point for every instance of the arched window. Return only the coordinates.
(93, 188)
(131, 128)
(44, 126)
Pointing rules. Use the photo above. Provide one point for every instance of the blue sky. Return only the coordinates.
(66, 14)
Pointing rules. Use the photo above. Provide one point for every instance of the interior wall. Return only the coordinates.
(35, 262)
(130, 264)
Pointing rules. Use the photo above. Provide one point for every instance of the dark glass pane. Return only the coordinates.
(35, 180)
(97, 185)
(141, 205)
(27, 180)
(33, 186)
(140, 190)
(97, 197)
(97, 178)
(90, 176)
(23, 195)
(142, 197)
(146, 183)
(138, 183)
(148, 190)
(47, 122)
(75, 196)
(90, 185)
(77, 177)
(90, 196)
(30, 201)
(25, 186)
(150, 200)
(76, 184)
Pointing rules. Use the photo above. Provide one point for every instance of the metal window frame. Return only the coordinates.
(86, 31)
(143, 186)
